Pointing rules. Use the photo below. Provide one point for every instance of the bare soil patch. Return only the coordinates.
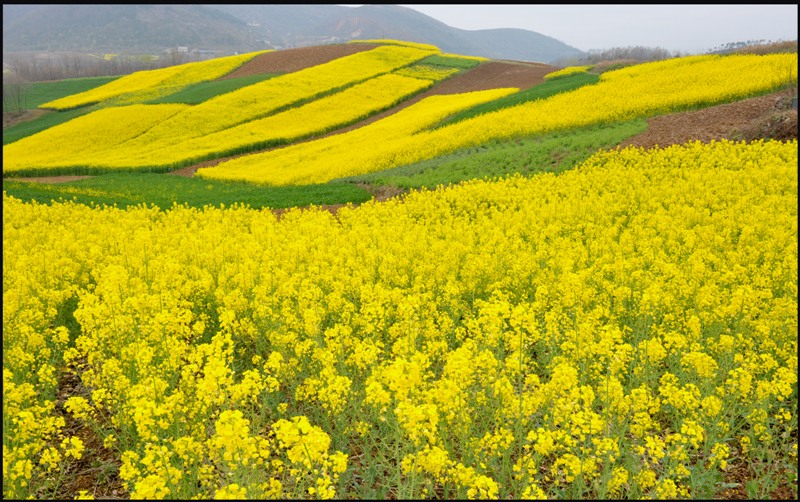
(495, 74)
(10, 119)
(729, 121)
(299, 58)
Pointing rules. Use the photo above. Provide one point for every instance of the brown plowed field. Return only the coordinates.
(299, 58)
(729, 121)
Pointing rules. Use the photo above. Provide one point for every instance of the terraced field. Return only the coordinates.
(374, 270)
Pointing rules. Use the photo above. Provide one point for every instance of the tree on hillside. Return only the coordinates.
(15, 93)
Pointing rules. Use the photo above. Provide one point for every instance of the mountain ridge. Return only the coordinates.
(226, 29)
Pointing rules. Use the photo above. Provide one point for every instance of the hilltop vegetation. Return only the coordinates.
(540, 313)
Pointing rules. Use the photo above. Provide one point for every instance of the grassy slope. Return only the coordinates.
(45, 121)
(43, 92)
(130, 189)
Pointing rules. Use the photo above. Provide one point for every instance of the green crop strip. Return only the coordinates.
(555, 152)
(131, 189)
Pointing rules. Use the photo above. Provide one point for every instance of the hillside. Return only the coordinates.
(114, 28)
(229, 28)
(316, 92)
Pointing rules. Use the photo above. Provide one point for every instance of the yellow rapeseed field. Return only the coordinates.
(159, 136)
(626, 329)
(151, 84)
(636, 91)
(569, 70)
(92, 150)
(362, 150)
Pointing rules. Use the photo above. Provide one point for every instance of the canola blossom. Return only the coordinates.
(152, 84)
(402, 43)
(626, 329)
(461, 56)
(635, 91)
(347, 154)
(428, 72)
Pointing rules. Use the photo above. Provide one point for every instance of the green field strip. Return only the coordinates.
(131, 189)
(555, 153)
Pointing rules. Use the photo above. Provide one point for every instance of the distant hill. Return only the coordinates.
(247, 27)
(301, 25)
(123, 28)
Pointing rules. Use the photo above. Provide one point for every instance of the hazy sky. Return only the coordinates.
(685, 28)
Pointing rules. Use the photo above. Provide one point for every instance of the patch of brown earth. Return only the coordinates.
(97, 471)
(496, 74)
(728, 121)
(10, 119)
(299, 58)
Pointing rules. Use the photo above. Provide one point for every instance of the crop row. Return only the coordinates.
(141, 130)
(355, 152)
(625, 329)
(569, 70)
(151, 84)
(93, 149)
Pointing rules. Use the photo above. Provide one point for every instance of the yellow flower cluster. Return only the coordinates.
(610, 331)
(316, 116)
(461, 56)
(402, 43)
(428, 72)
(77, 142)
(260, 99)
(569, 70)
(151, 84)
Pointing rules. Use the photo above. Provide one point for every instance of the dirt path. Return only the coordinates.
(10, 119)
(300, 58)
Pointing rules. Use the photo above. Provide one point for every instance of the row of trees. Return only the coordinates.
(21, 69)
(632, 53)
(15, 94)
(32, 68)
